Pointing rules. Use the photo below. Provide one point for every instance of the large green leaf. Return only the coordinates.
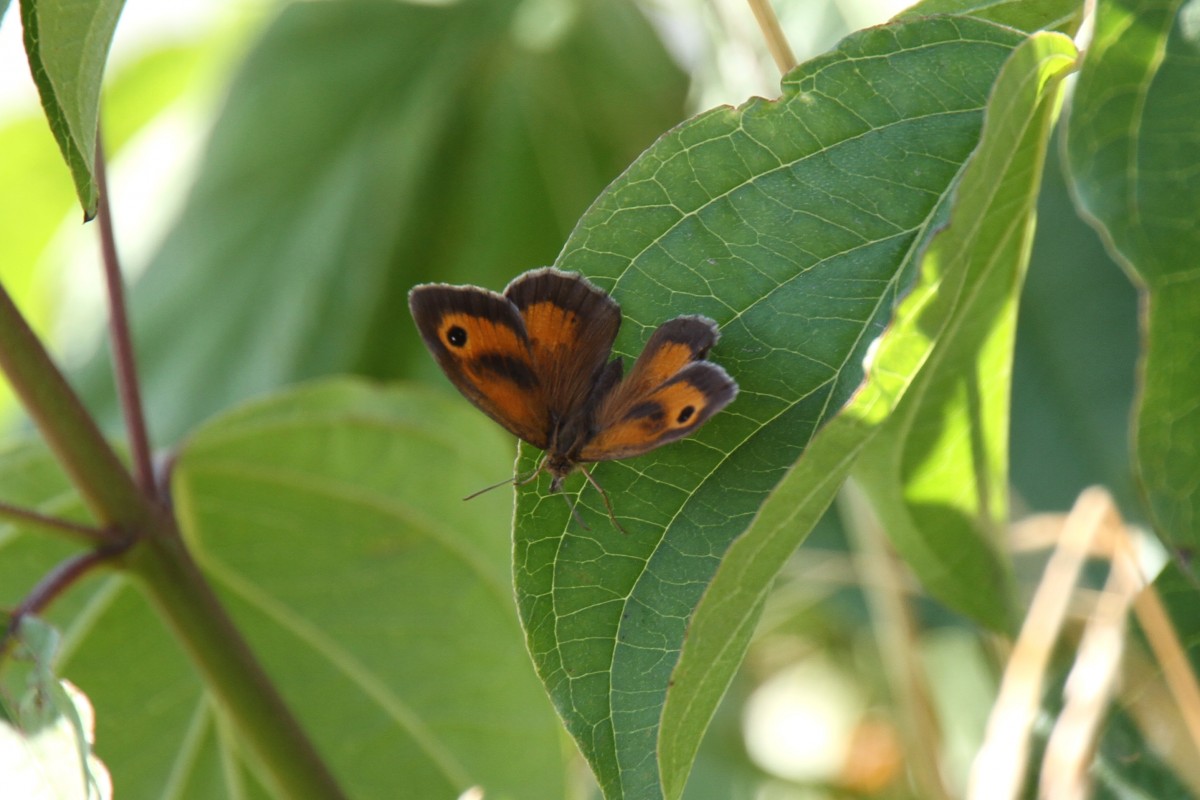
(67, 45)
(793, 224)
(937, 472)
(330, 521)
(1059, 15)
(366, 146)
(1131, 135)
(992, 206)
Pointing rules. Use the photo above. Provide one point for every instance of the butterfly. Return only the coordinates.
(536, 359)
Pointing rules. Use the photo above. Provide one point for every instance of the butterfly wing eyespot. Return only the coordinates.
(480, 342)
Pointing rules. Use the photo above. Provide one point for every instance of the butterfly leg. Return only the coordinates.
(530, 477)
(607, 502)
(575, 512)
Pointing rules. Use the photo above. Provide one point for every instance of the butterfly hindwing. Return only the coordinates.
(669, 393)
(675, 344)
(479, 339)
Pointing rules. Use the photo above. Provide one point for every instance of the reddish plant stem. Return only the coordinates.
(99, 476)
(130, 514)
(54, 583)
(124, 361)
(28, 516)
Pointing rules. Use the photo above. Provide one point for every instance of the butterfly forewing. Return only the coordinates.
(571, 326)
(480, 342)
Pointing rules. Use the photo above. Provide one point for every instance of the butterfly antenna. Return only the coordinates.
(518, 481)
(607, 502)
(473, 495)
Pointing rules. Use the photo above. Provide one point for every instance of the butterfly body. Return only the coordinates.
(537, 359)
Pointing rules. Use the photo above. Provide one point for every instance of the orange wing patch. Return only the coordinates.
(470, 335)
(670, 412)
(479, 340)
(656, 367)
(502, 376)
(551, 326)
(571, 326)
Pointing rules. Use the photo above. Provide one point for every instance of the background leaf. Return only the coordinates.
(366, 146)
(1143, 745)
(1131, 125)
(1003, 170)
(1055, 15)
(39, 270)
(67, 45)
(793, 224)
(46, 725)
(937, 471)
(312, 514)
(1074, 368)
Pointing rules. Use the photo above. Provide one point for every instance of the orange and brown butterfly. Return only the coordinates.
(537, 360)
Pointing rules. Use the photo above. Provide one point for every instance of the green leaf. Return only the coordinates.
(353, 565)
(330, 521)
(32, 207)
(364, 147)
(793, 224)
(1059, 15)
(1129, 765)
(26, 677)
(46, 725)
(1133, 123)
(1002, 175)
(67, 46)
(937, 472)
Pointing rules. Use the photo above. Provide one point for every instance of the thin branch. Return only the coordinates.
(1067, 762)
(94, 469)
(1167, 648)
(124, 361)
(896, 636)
(35, 519)
(777, 43)
(53, 584)
(999, 766)
(160, 560)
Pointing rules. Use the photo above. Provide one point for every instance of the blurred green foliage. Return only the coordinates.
(365, 146)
